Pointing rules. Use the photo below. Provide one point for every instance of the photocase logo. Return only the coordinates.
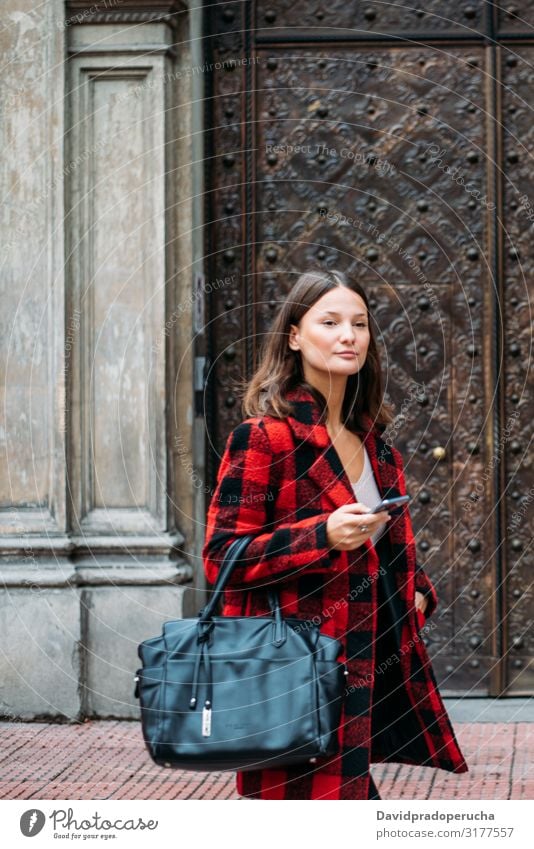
(31, 822)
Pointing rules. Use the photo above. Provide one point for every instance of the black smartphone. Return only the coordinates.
(390, 502)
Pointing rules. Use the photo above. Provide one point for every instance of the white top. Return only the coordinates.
(366, 491)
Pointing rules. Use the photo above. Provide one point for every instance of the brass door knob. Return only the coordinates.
(438, 453)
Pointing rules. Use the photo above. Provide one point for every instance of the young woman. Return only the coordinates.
(301, 472)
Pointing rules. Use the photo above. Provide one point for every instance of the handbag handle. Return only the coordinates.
(233, 552)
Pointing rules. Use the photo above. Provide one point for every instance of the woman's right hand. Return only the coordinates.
(344, 525)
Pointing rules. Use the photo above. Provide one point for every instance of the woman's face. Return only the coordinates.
(336, 323)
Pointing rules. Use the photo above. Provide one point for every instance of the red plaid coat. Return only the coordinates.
(280, 479)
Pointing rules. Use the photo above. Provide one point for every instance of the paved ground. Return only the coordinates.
(490, 710)
(108, 760)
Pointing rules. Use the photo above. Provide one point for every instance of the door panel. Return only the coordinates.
(352, 151)
(301, 17)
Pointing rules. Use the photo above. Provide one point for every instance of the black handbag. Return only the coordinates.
(240, 692)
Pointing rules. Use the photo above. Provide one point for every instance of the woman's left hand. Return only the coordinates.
(421, 601)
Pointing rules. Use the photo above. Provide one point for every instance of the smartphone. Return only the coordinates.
(390, 502)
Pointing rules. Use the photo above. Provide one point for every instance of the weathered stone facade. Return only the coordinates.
(100, 526)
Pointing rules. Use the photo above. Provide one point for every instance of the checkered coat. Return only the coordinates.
(280, 479)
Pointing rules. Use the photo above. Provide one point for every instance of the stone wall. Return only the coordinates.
(98, 519)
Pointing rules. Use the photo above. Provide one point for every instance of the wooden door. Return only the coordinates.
(395, 144)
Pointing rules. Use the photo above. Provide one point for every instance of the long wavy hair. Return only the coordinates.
(280, 368)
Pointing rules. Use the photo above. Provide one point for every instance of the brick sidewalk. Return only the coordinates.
(109, 760)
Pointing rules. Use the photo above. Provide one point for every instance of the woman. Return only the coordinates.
(301, 473)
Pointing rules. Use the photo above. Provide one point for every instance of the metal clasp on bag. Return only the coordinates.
(206, 719)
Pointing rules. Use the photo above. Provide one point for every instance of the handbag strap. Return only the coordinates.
(233, 552)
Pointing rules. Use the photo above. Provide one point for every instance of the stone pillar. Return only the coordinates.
(92, 559)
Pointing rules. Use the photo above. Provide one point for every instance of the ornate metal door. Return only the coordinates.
(394, 144)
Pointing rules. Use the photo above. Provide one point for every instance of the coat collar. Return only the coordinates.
(327, 469)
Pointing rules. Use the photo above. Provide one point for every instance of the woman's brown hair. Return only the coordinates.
(280, 368)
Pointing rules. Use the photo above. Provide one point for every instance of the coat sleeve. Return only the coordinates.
(246, 486)
(423, 584)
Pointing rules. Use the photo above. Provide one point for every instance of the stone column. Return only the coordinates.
(93, 561)
(39, 622)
